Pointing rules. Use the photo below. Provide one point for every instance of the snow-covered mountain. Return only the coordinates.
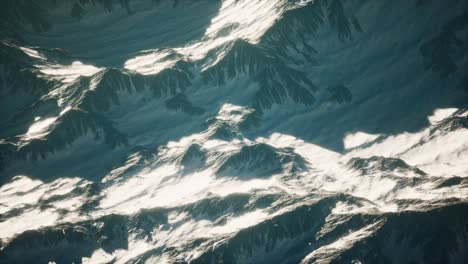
(233, 131)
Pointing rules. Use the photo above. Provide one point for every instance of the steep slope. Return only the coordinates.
(233, 131)
(21, 82)
(277, 82)
(261, 160)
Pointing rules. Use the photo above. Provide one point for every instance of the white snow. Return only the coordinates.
(357, 139)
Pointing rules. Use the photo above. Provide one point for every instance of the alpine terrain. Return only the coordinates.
(233, 131)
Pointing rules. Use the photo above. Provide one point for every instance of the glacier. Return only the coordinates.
(233, 131)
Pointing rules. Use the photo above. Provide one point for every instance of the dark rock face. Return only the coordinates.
(451, 124)
(383, 165)
(277, 81)
(261, 160)
(243, 131)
